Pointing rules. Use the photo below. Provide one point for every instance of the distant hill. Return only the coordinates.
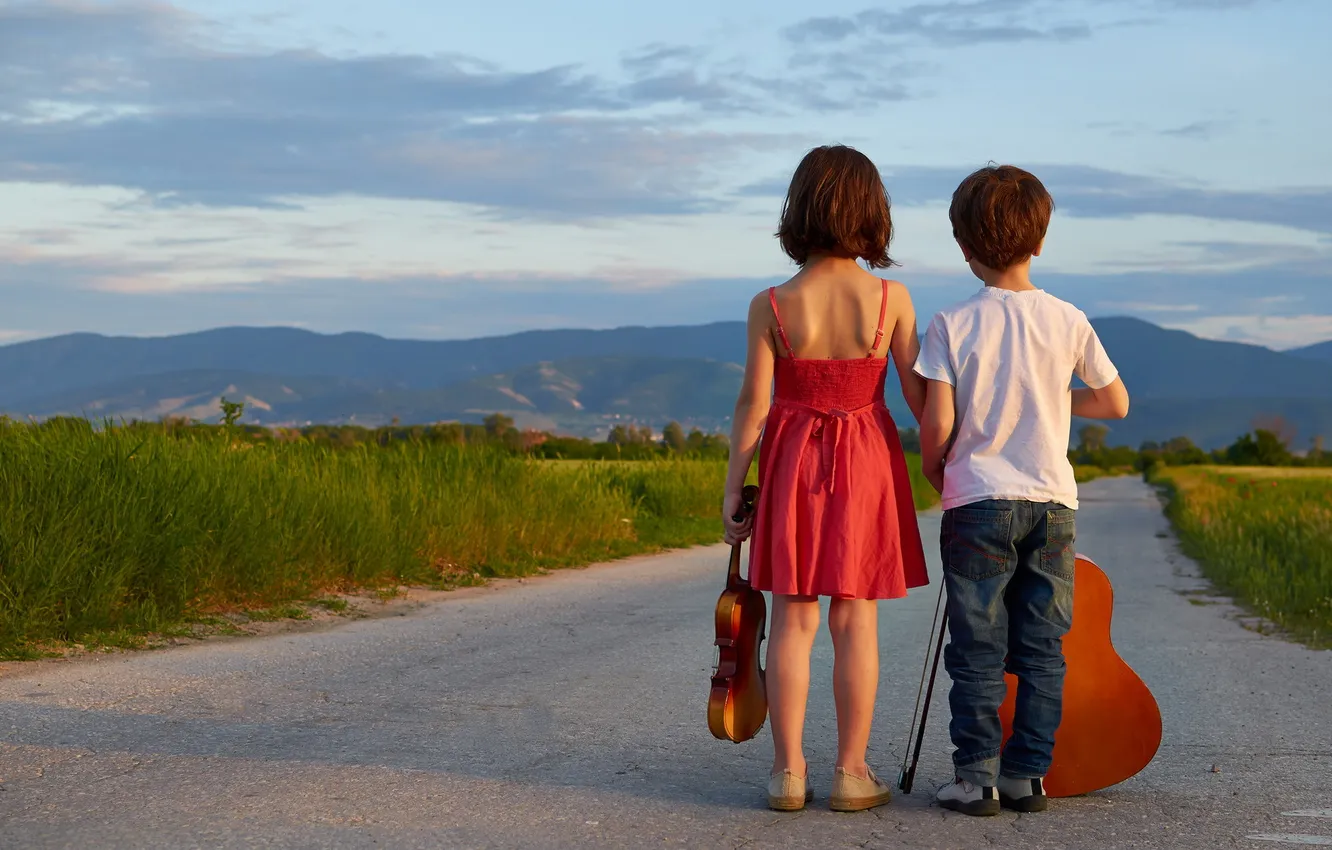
(41, 368)
(582, 381)
(1158, 363)
(582, 395)
(1320, 351)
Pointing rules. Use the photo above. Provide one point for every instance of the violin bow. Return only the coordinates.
(907, 777)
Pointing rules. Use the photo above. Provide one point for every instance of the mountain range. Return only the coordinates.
(583, 381)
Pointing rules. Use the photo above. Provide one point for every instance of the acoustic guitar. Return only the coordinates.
(738, 702)
(1111, 726)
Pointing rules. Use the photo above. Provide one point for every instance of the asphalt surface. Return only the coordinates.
(569, 711)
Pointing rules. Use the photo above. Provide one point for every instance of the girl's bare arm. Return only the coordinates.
(936, 431)
(751, 412)
(905, 348)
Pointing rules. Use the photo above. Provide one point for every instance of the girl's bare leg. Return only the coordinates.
(854, 624)
(795, 622)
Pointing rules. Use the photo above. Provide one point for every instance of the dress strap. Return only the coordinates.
(781, 331)
(883, 312)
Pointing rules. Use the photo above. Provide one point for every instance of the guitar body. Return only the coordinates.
(738, 701)
(1111, 724)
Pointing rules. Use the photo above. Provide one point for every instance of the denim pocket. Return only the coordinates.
(1058, 555)
(979, 542)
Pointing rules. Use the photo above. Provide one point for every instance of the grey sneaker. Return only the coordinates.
(850, 793)
(975, 800)
(788, 792)
(1022, 795)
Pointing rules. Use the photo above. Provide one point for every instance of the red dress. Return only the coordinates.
(835, 515)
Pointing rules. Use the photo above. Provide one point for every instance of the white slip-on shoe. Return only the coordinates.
(975, 800)
(1022, 795)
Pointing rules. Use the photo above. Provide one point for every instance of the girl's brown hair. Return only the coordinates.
(837, 205)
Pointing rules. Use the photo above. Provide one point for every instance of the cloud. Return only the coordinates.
(946, 24)
(1195, 130)
(964, 23)
(138, 95)
(1088, 192)
(47, 297)
(1211, 5)
(1279, 332)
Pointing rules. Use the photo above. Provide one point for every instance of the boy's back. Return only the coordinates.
(994, 440)
(1010, 357)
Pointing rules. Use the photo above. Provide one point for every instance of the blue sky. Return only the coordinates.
(433, 170)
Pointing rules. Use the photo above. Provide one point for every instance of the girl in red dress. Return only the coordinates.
(835, 515)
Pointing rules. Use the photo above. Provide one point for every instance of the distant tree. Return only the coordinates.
(1181, 451)
(1091, 438)
(619, 435)
(231, 411)
(695, 440)
(1278, 426)
(910, 440)
(1261, 448)
(674, 437)
(497, 425)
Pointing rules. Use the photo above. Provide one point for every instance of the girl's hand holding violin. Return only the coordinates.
(736, 532)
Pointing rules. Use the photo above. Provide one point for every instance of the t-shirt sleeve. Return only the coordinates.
(934, 362)
(1094, 366)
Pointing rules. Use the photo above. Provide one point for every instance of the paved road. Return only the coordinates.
(569, 712)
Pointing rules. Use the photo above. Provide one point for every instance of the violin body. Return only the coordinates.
(738, 702)
(1111, 724)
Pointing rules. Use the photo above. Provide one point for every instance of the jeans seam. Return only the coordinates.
(985, 755)
(1023, 767)
(957, 538)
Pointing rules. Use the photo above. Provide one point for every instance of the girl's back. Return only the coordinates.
(834, 515)
(834, 315)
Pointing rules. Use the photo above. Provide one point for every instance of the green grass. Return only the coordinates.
(922, 491)
(121, 532)
(1263, 536)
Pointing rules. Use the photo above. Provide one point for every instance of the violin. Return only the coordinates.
(738, 702)
(1111, 725)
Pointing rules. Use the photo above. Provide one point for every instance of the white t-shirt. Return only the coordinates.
(1011, 357)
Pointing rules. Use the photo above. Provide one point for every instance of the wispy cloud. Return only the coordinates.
(965, 23)
(47, 297)
(135, 95)
(1089, 192)
(1194, 130)
(948, 24)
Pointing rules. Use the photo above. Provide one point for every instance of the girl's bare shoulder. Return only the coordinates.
(898, 292)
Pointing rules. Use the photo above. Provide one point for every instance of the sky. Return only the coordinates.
(439, 170)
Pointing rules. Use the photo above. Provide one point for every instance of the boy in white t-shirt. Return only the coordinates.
(994, 442)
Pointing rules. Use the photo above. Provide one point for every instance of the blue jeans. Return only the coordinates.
(1008, 566)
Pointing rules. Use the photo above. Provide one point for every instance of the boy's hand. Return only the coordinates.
(936, 431)
(936, 478)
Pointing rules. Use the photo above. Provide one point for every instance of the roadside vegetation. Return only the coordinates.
(1262, 535)
(115, 531)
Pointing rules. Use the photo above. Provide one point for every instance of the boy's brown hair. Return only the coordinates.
(1000, 214)
(837, 205)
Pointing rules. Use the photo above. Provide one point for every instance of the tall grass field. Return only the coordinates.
(133, 530)
(1262, 535)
